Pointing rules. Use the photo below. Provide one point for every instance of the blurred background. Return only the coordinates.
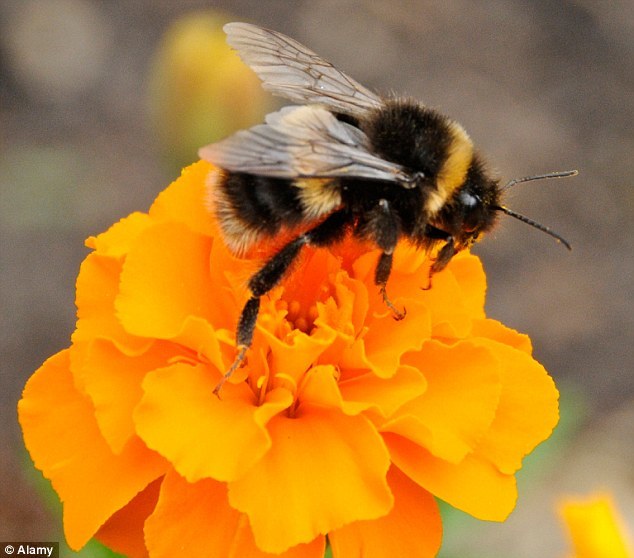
(101, 103)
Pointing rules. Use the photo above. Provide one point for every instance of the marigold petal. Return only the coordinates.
(473, 485)
(295, 354)
(165, 279)
(181, 418)
(412, 529)
(245, 547)
(325, 469)
(112, 380)
(367, 390)
(387, 339)
(344, 316)
(468, 271)
(528, 409)
(450, 309)
(97, 288)
(492, 329)
(319, 387)
(410, 260)
(352, 299)
(117, 240)
(456, 296)
(317, 275)
(64, 441)
(123, 532)
(186, 201)
(204, 341)
(459, 405)
(382, 342)
(331, 302)
(191, 520)
(195, 519)
(451, 304)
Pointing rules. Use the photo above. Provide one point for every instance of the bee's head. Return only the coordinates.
(475, 205)
(472, 210)
(475, 212)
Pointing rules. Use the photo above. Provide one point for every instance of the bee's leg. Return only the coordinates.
(271, 273)
(259, 284)
(244, 336)
(381, 275)
(444, 255)
(384, 228)
(447, 252)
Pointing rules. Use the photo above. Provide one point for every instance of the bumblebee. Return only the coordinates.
(344, 161)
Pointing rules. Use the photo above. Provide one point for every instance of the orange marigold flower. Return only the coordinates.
(596, 528)
(344, 423)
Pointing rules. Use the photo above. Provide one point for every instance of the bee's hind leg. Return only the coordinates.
(244, 337)
(271, 273)
(260, 284)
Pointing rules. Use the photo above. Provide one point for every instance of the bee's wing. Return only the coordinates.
(305, 141)
(288, 69)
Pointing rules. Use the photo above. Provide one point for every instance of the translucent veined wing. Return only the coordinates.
(306, 141)
(289, 69)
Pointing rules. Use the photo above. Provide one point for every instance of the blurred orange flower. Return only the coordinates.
(595, 527)
(344, 423)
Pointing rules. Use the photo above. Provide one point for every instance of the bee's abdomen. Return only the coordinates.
(263, 203)
(249, 206)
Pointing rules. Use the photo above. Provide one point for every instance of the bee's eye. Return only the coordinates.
(469, 200)
(471, 207)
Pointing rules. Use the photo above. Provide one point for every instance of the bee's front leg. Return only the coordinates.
(445, 253)
(381, 275)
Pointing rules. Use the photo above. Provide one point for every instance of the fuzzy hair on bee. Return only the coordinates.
(344, 160)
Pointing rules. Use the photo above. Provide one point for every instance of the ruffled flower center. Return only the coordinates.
(298, 316)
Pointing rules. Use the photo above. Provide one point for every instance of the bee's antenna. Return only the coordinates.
(532, 223)
(560, 174)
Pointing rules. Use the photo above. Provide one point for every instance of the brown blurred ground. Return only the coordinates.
(539, 85)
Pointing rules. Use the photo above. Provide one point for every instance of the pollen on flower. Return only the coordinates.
(300, 317)
(343, 422)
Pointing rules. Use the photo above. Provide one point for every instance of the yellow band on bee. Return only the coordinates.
(453, 171)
